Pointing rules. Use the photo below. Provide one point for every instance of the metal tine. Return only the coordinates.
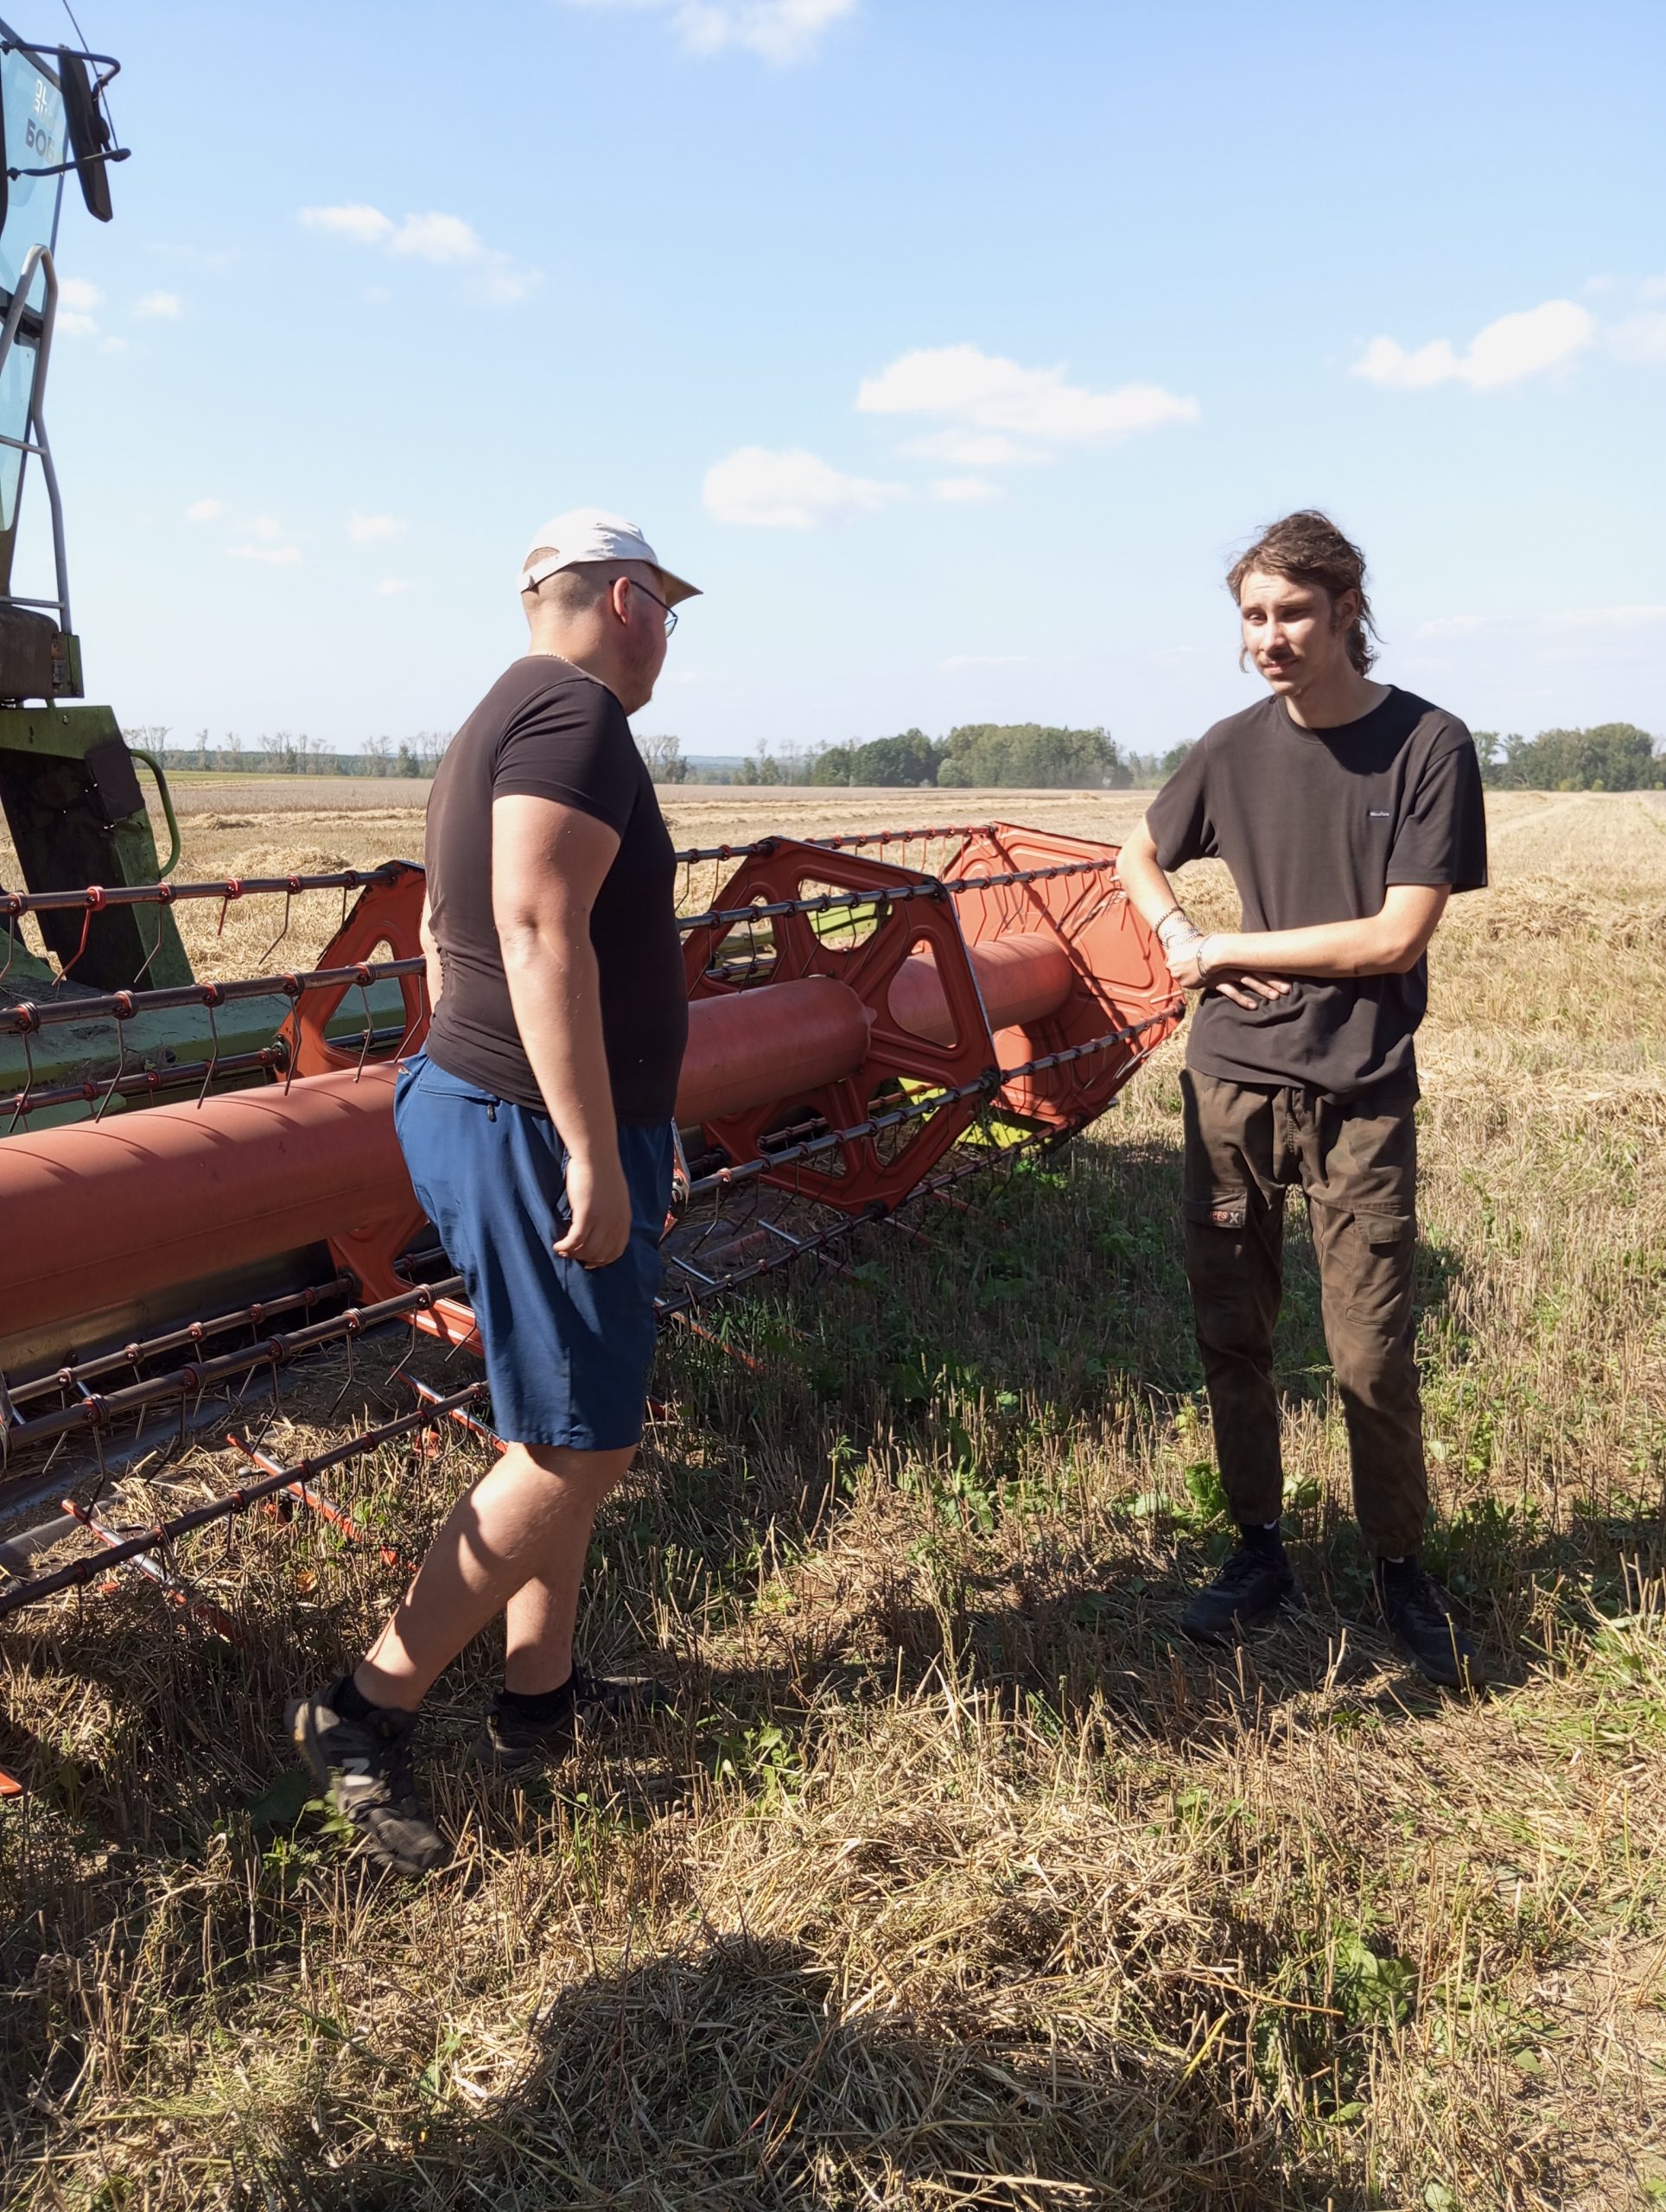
(159, 1537)
(364, 1041)
(23, 1096)
(347, 1382)
(397, 1372)
(162, 1574)
(292, 1023)
(163, 901)
(213, 1053)
(121, 1068)
(104, 1472)
(289, 902)
(423, 1016)
(94, 905)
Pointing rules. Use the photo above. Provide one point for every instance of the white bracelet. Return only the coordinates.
(1177, 939)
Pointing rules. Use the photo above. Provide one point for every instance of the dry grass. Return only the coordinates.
(962, 1882)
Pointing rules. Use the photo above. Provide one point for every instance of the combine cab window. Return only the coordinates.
(34, 140)
(34, 113)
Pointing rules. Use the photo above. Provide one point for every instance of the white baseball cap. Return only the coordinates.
(591, 534)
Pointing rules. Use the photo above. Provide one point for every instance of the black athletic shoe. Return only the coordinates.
(511, 1741)
(1414, 1606)
(1249, 1589)
(364, 1768)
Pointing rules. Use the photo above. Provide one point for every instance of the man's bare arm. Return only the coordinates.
(1387, 943)
(547, 863)
(1152, 896)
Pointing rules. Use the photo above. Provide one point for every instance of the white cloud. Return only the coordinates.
(371, 529)
(76, 301)
(1451, 625)
(997, 412)
(368, 225)
(438, 239)
(964, 491)
(267, 528)
(1610, 618)
(957, 664)
(1563, 622)
(1652, 288)
(204, 510)
(789, 490)
(281, 557)
(159, 307)
(1640, 337)
(1515, 346)
(780, 30)
(390, 586)
(444, 241)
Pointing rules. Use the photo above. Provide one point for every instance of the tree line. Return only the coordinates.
(286, 755)
(1036, 756)
(1608, 757)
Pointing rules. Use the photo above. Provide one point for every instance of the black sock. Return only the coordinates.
(1256, 1538)
(1398, 1573)
(539, 1705)
(349, 1701)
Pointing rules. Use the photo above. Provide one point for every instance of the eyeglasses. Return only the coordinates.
(670, 612)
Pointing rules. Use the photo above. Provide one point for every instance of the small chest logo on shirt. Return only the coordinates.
(1378, 814)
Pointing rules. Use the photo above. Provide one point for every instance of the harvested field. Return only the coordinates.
(960, 1880)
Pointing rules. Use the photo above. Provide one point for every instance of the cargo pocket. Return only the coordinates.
(1378, 1250)
(1219, 1210)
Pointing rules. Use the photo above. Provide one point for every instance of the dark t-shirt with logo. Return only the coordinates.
(547, 730)
(1316, 825)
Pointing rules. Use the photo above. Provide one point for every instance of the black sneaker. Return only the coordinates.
(364, 1768)
(510, 1741)
(1420, 1620)
(1249, 1589)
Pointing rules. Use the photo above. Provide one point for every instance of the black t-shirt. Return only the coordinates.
(1314, 825)
(547, 731)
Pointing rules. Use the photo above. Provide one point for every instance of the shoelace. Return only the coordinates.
(1421, 1608)
(1243, 1565)
(401, 1768)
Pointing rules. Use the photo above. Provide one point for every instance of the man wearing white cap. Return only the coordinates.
(537, 1126)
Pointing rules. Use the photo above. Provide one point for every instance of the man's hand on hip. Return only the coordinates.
(1193, 971)
(599, 1199)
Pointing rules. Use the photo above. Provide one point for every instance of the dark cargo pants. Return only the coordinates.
(1356, 1161)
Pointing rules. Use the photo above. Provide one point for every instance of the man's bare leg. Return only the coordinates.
(529, 1518)
(538, 1620)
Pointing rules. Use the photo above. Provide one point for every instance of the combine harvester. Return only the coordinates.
(199, 1185)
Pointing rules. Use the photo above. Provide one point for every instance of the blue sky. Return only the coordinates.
(951, 345)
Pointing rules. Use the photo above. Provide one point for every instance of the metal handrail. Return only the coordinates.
(39, 258)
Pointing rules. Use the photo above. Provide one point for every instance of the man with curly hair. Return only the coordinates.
(1348, 812)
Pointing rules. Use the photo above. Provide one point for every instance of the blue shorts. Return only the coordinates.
(568, 1348)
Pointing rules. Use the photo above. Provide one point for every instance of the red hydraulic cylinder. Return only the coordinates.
(1021, 979)
(776, 1041)
(101, 1216)
(104, 1213)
